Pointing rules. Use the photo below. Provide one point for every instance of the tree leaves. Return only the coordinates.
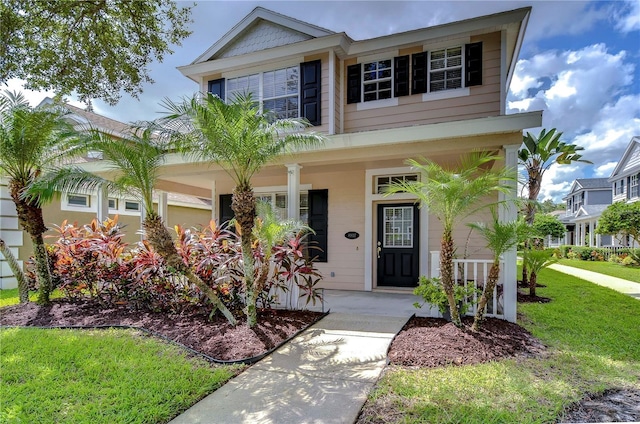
(96, 48)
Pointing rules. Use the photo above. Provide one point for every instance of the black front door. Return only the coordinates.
(398, 245)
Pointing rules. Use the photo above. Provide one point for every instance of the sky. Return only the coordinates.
(579, 64)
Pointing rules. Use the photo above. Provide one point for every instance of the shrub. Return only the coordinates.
(629, 261)
(94, 261)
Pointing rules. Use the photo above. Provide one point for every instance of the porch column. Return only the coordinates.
(103, 203)
(509, 213)
(214, 198)
(142, 215)
(293, 191)
(163, 207)
(579, 234)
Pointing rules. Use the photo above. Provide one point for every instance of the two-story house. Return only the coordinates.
(436, 92)
(625, 178)
(587, 199)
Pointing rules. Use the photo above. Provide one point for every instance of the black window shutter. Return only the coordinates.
(310, 88)
(419, 65)
(217, 87)
(401, 76)
(318, 220)
(473, 64)
(226, 213)
(354, 86)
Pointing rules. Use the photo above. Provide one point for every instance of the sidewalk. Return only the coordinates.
(623, 286)
(321, 376)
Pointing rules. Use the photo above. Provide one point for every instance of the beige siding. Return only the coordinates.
(53, 216)
(482, 101)
(346, 213)
(337, 98)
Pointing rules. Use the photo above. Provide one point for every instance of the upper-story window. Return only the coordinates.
(633, 186)
(377, 80)
(290, 92)
(427, 72)
(276, 91)
(445, 69)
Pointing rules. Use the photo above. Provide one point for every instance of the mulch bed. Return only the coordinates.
(612, 406)
(434, 342)
(215, 338)
(525, 298)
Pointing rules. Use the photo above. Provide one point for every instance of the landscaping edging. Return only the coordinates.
(245, 361)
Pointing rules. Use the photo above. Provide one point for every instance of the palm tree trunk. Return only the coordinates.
(446, 274)
(23, 289)
(161, 240)
(42, 270)
(533, 281)
(243, 204)
(30, 218)
(492, 280)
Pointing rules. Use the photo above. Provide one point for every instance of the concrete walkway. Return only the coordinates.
(321, 376)
(623, 286)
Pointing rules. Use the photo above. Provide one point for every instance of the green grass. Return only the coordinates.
(10, 296)
(607, 268)
(592, 335)
(98, 376)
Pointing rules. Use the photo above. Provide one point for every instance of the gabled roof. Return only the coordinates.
(631, 154)
(260, 16)
(588, 184)
(244, 45)
(83, 117)
(590, 211)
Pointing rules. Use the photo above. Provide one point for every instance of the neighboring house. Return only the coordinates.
(625, 178)
(176, 208)
(587, 199)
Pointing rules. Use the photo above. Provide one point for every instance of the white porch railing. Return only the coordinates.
(474, 273)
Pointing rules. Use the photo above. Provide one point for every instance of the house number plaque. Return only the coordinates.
(351, 235)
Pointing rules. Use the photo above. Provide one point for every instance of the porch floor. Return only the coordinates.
(380, 303)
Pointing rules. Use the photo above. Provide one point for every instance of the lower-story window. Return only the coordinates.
(78, 200)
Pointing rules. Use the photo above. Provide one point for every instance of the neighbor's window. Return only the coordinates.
(377, 80)
(78, 200)
(113, 203)
(445, 69)
(131, 206)
(633, 186)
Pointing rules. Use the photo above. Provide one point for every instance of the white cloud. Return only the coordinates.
(604, 171)
(587, 95)
(628, 19)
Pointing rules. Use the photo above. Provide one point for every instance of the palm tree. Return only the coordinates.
(33, 140)
(23, 289)
(135, 164)
(453, 193)
(241, 139)
(536, 156)
(499, 237)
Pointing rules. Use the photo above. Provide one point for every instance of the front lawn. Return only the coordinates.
(11, 297)
(98, 376)
(608, 268)
(592, 336)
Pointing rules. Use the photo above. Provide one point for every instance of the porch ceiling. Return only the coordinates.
(359, 151)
